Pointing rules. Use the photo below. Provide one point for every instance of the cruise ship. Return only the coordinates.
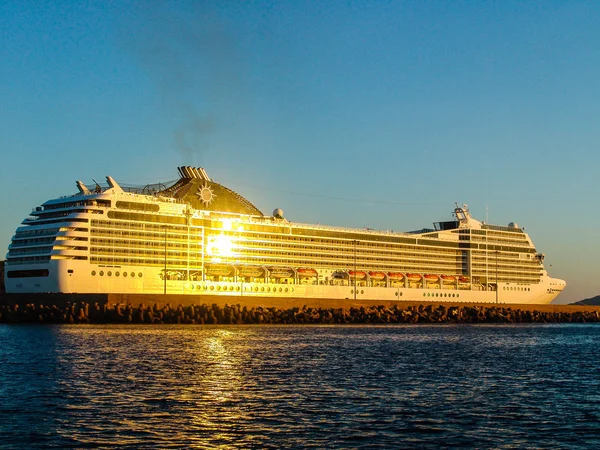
(197, 237)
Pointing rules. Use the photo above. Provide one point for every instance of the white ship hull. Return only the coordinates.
(148, 281)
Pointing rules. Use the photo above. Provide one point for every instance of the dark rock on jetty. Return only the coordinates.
(85, 313)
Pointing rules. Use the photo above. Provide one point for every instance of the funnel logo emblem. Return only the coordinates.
(206, 194)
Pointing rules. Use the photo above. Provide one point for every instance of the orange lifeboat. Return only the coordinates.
(463, 279)
(413, 277)
(221, 270)
(377, 276)
(250, 271)
(395, 276)
(430, 278)
(306, 273)
(356, 275)
(280, 272)
(447, 279)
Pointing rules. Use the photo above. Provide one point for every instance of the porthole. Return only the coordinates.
(457, 295)
(117, 274)
(198, 287)
(280, 289)
(133, 274)
(237, 288)
(268, 289)
(140, 274)
(396, 294)
(109, 273)
(286, 289)
(401, 294)
(262, 289)
(93, 273)
(362, 292)
(231, 288)
(218, 288)
(102, 273)
(125, 274)
(212, 288)
(255, 289)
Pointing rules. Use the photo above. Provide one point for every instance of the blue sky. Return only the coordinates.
(377, 114)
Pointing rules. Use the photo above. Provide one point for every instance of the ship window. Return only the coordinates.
(117, 274)
(109, 273)
(27, 273)
(93, 273)
(70, 271)
(140, 274)
(102, 273)
(124, 274)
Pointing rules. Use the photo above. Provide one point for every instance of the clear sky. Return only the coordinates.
(376, 114)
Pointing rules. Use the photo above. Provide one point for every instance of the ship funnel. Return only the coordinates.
(204, 174)
(193, 172)
(185, 172)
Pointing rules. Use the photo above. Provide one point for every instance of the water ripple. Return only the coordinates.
(300, 386)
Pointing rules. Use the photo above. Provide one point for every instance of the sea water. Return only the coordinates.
(483, 386)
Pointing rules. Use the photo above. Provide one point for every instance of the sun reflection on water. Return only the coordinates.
(256, 387)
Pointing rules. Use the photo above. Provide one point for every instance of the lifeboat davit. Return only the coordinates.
(250, 271)
(430, 278)
(356, 275)
(413, 277)
(447, 279)
(306, 273)
(395, 276)
(377, 276)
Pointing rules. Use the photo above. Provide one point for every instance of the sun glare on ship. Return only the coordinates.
(221, 246)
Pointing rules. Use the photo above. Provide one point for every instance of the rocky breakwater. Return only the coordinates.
(84, 313)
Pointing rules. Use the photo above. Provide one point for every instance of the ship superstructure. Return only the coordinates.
(196, 236)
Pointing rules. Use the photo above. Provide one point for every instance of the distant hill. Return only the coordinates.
(594, 301)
